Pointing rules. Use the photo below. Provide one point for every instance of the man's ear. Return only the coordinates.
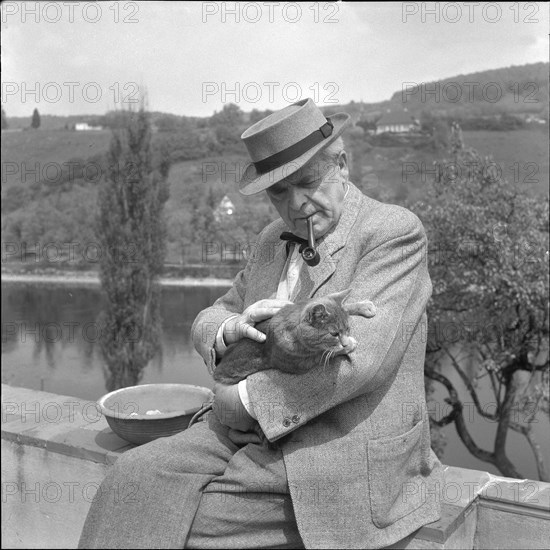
(343, 164)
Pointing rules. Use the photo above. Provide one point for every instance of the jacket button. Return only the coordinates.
(295, 419)
(286, 422)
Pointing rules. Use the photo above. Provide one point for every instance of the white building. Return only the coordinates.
(225, 208)
(397, 122)
(82, 126)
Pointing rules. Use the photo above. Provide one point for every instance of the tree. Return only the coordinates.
(257, 115)
(35, 123)
(5, 124)
(368, 125)
(131, 234)
(228, 125)
(488, 316)
(180, 233)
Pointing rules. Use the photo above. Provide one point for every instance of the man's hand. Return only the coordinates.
(243, 325)
(229, 409)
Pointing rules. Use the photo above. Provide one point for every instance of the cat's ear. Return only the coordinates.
(316, 314)
(339, 297)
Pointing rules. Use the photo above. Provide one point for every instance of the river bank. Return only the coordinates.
(83, 278)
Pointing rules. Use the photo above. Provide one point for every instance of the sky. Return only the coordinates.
(191, 58)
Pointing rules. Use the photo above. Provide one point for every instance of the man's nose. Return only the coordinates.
(297, 199)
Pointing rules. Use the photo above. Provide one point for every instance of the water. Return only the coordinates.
(49, 342)
(50, 338)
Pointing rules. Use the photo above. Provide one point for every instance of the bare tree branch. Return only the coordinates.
(459, 418)
(470, 388)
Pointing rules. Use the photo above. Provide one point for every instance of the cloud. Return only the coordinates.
(327, 51)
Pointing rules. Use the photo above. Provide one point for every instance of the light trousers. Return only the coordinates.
(202, 488)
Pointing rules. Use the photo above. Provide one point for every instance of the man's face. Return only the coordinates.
(317, 189)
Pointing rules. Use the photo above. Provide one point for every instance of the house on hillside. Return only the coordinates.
(535, 118)
(225, 208)
(397, 122)
(83, 126)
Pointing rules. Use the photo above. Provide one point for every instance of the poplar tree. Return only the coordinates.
(35, 122)
(131, 233)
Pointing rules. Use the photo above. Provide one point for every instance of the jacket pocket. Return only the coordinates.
(397, 469)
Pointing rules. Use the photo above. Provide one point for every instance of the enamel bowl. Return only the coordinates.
(140, 414)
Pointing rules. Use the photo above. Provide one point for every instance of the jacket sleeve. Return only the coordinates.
(393, 273)
(206, 325)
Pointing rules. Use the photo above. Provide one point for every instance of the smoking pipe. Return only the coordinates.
(309, 253)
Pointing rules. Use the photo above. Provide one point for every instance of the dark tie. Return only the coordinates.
(291, 238)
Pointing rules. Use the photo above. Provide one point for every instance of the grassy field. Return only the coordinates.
(390, 174)
(22, 150)
(522, 155)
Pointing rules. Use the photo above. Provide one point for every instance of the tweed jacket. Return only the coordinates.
(354, 435)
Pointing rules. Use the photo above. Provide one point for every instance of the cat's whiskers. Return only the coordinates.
(327, 356)
(330, 356)
(323, 356)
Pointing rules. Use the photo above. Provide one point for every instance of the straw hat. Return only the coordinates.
(285, 141)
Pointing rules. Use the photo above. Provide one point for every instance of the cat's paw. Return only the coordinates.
(348, 345)
(365, 308)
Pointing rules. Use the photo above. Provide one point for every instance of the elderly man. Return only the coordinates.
(347, 462)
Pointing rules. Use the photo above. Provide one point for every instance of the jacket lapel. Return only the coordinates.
(311, 278)
(269, 272)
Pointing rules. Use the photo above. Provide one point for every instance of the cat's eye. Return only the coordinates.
(334, 333)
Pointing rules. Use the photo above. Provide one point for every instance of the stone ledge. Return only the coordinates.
(441, 530)
(75, 428)
(528, 494)
(59, 423)
(513, 508)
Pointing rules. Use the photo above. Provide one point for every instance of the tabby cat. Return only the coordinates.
(298, 337)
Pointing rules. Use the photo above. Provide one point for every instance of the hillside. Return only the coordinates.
(522, 155)
(55, 205)
(513, 90)
(23, 151)
(50, 122)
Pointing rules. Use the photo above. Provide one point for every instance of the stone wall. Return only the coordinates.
(56, 450)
